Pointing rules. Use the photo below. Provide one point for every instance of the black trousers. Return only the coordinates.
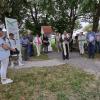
(67, 52)
(91, 50)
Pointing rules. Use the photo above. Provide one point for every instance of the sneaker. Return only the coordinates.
(6, 81)
(20, 64)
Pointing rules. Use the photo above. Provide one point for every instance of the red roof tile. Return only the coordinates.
(47, 29)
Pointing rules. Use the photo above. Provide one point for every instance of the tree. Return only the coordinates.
(92, 8)
(69, 11)
(14, 9)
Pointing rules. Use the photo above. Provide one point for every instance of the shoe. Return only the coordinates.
(6, 81)
(12, 64)
(20, 64)
(67, 58)
(63, 58)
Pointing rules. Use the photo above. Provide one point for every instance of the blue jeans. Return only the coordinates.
(30, 50)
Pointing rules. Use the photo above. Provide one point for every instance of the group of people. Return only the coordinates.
(29, 43)
(90, 41)
(9, 50)
(9, 53)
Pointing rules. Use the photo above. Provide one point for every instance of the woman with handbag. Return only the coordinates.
(14, 55)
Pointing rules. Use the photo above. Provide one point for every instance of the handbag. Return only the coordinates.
(14, 52)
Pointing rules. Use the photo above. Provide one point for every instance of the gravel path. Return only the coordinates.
(44, 63)
(89, 65)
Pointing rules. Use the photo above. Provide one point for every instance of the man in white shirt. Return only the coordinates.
(4, 59)
(82, 40)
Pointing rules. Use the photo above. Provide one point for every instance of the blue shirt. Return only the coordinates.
(3, 53)
(24, 41)
(91, 36)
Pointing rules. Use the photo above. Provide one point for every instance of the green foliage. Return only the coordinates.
(14, 9)
(60, 25)
(77, 25)
(91, 9)
(88, 27)
(61, 14)
(30, 26)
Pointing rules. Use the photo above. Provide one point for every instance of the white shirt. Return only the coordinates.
(63, 37)
(82, 38)
(12, 43)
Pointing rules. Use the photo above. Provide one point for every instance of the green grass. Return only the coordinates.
(54, 47)
(53, 83)
(41, 57)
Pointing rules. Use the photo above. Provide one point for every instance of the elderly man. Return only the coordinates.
(65, 45)
(30, 46)
(4, 59)
(81, 42)
(91, 38)
(24, 46)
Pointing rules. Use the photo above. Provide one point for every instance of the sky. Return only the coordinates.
(80, 30)
(84, 24)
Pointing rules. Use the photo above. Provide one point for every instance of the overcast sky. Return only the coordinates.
(84, 24)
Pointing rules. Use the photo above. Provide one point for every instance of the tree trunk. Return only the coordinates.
(96, 17)
(72, 25)
(95, 23)
(35, 20)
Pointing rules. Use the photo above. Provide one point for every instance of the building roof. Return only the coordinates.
(46, 29)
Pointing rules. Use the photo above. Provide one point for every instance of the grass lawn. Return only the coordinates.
(41, 57)
(53, 83)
